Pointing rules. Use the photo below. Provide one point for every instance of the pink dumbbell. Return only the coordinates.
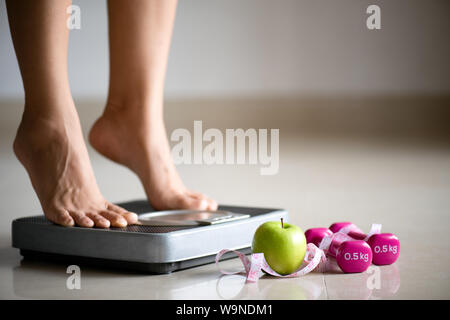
(385, 246)
(351, 255)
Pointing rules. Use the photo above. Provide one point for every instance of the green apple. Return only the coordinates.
(283, 245)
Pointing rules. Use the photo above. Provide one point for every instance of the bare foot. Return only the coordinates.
(138, 140)
(53, 152)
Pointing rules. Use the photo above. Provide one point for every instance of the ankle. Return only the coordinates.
(37, 136)
(37, 127)
(135, 102)
(58, 110)
(137, 112)
(43, 124)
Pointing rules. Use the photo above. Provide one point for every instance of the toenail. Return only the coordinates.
(104, 222)
(203, 204)
(133, 216)
(121, 222)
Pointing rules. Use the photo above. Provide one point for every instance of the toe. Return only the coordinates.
(61, 217)
(114, 218)
(192, 202)
(131, 217)
(99, 221)
(211, 204)
(81, 219)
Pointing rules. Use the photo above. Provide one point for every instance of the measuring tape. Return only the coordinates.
(256, 264)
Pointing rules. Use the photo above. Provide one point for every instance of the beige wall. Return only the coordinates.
(265, 47)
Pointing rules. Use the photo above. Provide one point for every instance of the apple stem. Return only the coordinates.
(282, 224)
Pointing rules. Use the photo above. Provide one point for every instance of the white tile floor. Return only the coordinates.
(406, 187)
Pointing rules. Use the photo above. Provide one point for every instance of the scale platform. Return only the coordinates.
(163, 242)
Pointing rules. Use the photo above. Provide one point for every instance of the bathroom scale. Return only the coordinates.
(161, 242)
